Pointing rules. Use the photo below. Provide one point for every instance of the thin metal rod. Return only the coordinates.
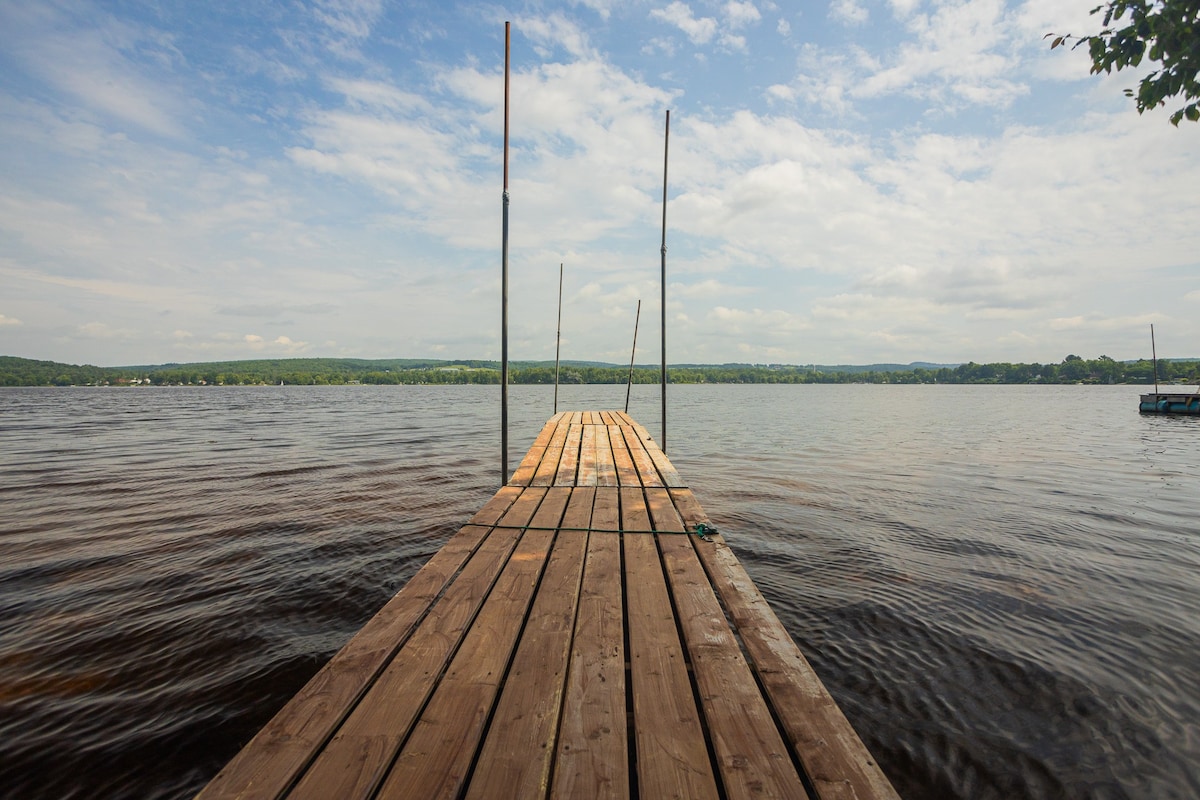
(558, 337)
(663, 304)
(629, 385)
(504, 285)
(1154, 355)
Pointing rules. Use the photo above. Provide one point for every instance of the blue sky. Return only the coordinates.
(850, 182)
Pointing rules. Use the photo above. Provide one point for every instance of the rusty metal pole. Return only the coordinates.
(629, 385)
(663, 251)
(504, 285)
(558, 337)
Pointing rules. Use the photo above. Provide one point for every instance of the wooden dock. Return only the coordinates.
(575, 639)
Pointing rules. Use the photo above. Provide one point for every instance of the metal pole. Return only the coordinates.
(1154, 354)
(663, 251)
(629, 385)
(504, 285)
(558, 337)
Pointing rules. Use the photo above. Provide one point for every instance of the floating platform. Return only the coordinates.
(1170, 403)
(583, 636)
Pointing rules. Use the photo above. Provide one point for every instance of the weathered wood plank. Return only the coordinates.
(672, 755)
(670, 475)
(647, 472)
(592, 753)
(587, 457)
(754, 760)
(437, 756)
(501, 669)
(606, 467)
(548, 468)
(627, 474)
(837, 763)
(268, 765)
(568, 465)
(357, 757)
(528, 466)
(517, 753)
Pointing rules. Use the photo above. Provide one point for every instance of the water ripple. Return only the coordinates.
(1000, 591)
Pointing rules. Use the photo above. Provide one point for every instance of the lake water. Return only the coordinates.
(999, 584)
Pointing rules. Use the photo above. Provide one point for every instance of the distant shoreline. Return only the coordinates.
(334, 371)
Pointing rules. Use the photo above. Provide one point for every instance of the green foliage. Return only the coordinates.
(1163, 31)
(333, 371)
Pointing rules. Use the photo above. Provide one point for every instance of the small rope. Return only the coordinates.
(702, 530)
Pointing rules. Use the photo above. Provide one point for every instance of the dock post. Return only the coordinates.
(629, 385)
(663, 252)
(1154, 355)
(504, 285)
(558, 337)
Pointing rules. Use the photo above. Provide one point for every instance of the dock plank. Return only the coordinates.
(606, 466)
(271, 762)
(837, 763)
(571, 640)
(529, 464)
(547, 470)
(646, 469)
(627, 474)
(672, 754)
(754, 760)
(435, 759)
(517, 754)
(356, 759)
(588, 457)
(568, 464)
(592, 758)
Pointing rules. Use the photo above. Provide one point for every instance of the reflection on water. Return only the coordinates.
(998, 584)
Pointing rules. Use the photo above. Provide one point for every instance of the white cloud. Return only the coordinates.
(602, 7)
(709, 288)
(108, 66)
(783, 27)
(959, 53)
(553, 32)
(902, 8)
(999, 238)
(740, 14)
(9, 320)
(848, 11)
(700, 31)
(351, 19)
(733, 42)
(102, 330)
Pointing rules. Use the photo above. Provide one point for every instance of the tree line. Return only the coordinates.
(318, 371)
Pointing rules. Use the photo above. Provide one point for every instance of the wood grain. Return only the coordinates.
(355, 760)
(672, 754)
(516, 756)
(837, 763)
(753, 758)
(592, 757)
(437, 756)
(268, 765)
(555, 647)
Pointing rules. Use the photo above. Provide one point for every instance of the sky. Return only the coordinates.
(848, 182)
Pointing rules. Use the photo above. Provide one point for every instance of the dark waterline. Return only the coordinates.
(998, 584)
